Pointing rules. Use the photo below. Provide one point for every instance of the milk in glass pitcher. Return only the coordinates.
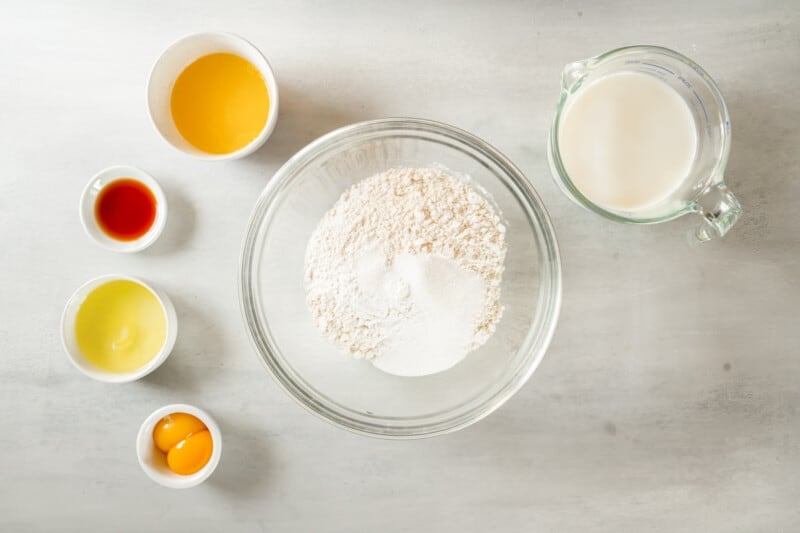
(641, 135)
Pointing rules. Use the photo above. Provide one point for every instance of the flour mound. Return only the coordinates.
(401, 224)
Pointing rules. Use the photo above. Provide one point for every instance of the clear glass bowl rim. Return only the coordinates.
(536, 341)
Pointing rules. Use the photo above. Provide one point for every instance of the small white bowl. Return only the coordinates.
(89, 198)
(77, 358)
(180, 55)
(154, 462)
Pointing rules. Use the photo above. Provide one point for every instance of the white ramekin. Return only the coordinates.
(179, 56)
(154, 462)
(77, 358)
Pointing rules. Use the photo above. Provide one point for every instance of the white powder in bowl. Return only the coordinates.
(405, 271)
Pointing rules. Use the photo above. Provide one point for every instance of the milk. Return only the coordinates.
(627, 141)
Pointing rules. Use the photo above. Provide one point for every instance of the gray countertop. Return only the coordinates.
(668, 401)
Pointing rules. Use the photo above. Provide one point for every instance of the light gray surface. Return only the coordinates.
(667, 402)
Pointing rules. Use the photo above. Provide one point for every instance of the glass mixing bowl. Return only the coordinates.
(352, 393)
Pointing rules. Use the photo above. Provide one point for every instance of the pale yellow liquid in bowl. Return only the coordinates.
(120, 326)
(220, 103)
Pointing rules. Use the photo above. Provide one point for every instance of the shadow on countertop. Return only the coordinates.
(302, 118)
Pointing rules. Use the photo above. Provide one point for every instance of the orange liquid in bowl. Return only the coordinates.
(220, 103)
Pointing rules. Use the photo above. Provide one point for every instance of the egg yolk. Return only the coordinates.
(173, 428)
(191, 454)
(186, 441)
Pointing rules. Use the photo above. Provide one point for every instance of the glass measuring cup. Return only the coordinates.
(703, 190)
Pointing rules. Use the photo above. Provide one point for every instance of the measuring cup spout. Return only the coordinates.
(573, 73)
(720, 210)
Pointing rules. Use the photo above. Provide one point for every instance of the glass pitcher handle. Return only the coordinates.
(720, 210)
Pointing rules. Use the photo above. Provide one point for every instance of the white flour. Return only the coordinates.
(405, 270)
